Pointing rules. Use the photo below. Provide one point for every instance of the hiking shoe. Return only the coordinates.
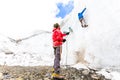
(85, 26)
(56, 75)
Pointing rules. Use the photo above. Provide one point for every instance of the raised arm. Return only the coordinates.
(83, 10)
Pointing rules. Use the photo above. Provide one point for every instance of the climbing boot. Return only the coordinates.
(56, 76)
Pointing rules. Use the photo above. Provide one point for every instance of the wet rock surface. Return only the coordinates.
(44, 73)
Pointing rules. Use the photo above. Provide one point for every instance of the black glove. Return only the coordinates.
(64, 40)
(67, 33)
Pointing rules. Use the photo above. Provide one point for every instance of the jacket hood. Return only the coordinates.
(55, 29)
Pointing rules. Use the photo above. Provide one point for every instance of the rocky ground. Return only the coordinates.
(44, 72)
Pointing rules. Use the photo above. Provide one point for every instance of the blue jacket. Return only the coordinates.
(80, 15)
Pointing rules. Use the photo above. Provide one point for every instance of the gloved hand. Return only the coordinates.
(67, 33)
(64, 40)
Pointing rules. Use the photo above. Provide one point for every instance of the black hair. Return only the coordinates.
(56, 25)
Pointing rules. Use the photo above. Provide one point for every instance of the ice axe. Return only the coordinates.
(70, 29)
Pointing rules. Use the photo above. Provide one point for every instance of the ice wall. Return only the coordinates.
(99, 44)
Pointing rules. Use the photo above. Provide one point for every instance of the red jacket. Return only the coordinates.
(57, 37)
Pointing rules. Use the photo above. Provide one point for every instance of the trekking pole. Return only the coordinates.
(70, 30)
(66, 52)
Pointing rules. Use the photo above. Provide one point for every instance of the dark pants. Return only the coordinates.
(83, 23)
(57, 53)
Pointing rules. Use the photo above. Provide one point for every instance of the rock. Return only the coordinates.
(85, 72)
(1, 76)
(44, 73)
(95, 76)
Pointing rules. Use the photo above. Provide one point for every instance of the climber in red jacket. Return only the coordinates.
(58, 40)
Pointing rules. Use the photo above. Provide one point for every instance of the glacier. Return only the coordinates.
(98, 45)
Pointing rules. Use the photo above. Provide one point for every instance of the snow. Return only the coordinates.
(78, 66)
(113, 75)
(28, 52)
(97, 46)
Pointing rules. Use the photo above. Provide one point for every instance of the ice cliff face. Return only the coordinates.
(99, 44)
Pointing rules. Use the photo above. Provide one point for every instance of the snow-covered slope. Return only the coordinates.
(28, 51)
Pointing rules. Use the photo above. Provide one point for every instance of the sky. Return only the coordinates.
(20, 17)
(64, 9)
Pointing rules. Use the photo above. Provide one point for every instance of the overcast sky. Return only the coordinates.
(18, 17)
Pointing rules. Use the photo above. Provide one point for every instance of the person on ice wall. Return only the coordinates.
(81, 18)
(58, 40)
